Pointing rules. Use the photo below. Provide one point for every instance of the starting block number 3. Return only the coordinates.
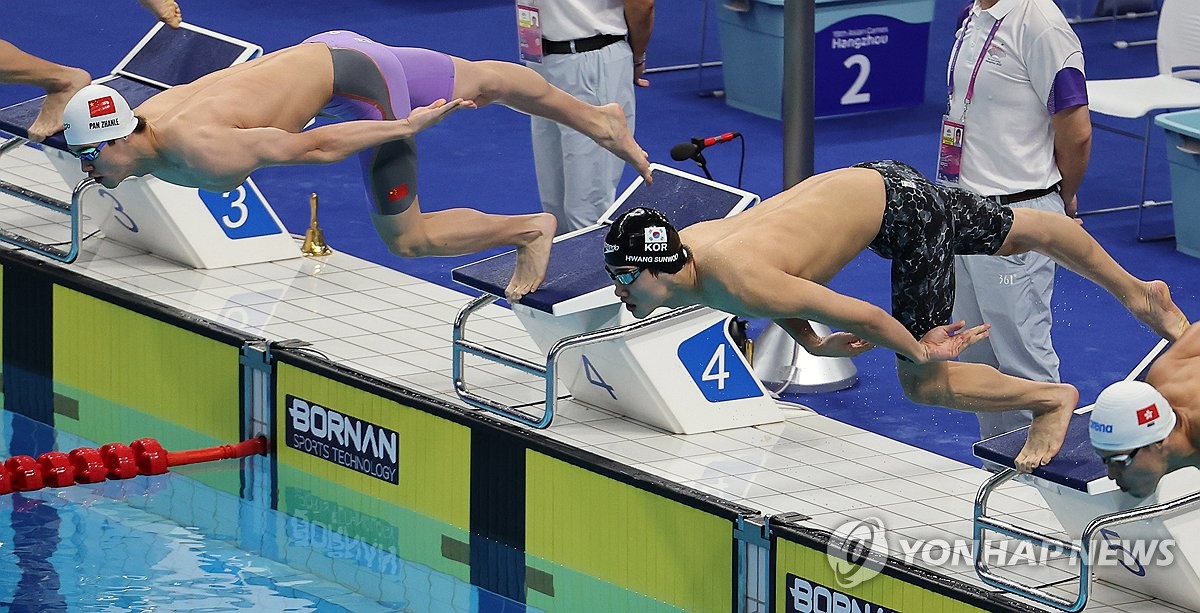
(240, 213)
(119, 212)
(716, 366)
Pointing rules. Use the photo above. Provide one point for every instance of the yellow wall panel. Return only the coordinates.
(104, 353)
(627, 536)
(434, 454)
(813, 568)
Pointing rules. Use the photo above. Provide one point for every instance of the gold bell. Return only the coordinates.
(314, 239)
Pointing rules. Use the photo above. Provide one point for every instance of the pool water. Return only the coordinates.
(170, 543)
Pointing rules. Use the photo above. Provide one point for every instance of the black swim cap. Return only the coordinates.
(643, 237)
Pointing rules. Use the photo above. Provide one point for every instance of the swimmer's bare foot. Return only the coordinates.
(1047, 431)
(532, 259)
(49, 119)
(167, 11)
(1155, 308)
(617, 138)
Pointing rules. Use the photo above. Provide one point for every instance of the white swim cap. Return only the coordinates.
(97, 113)
(1129, 415)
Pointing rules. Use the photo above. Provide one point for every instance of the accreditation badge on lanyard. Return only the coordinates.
(950, 150)
(529, 33)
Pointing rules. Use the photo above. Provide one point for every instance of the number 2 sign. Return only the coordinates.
(868, 63)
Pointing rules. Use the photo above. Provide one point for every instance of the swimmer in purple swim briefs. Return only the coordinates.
(214, 132)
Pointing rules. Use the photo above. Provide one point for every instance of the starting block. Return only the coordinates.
(679, 370)
(195, 227)
(1148, 546)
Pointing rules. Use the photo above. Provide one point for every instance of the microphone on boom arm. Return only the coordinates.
(691, 149)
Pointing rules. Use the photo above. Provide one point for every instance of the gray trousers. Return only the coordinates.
(1012, 293)
(577, 178)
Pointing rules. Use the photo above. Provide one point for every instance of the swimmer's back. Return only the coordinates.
(811, 230)
(1176, 375)
(284, 89)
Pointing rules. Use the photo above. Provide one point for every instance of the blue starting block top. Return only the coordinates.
(1075, 466)
(577, 260)
(165, 57)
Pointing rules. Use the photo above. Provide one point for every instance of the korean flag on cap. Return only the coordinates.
(656, 234)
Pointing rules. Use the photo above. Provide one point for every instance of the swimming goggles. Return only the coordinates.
(1122, 460)
(625, 278)
(88, 154)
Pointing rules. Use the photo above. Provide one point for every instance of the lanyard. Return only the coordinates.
(974, 73)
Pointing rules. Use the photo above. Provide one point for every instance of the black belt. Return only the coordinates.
(580, 45)
(1029, 194)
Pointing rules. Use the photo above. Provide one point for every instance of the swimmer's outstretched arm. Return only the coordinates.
(331, 143)
(836, 345)
(779, 296)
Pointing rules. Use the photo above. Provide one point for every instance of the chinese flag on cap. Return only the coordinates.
(101, 106)
(1147, 414)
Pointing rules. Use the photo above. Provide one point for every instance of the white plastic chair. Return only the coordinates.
(1112, 11)
(1174, 87)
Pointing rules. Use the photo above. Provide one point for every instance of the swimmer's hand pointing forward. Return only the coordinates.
(841, 345)
(424, 117)
(944, 343)
(940, 344)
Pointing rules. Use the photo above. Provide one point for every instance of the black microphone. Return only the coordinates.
(684, 151)
(689, 150)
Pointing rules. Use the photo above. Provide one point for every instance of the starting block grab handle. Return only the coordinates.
(71, 209)
(461, 346)
(983, 524)
(1081, 552)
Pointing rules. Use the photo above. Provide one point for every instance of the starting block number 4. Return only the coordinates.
(716, 366)
(594, 377)
(712, 361)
